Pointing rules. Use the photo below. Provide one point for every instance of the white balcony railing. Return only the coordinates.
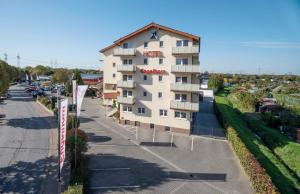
(185, 50)
(126, 68)
(124, 52)
(185, 69)
(190, 106)
(185, 87)
(126, 84)
(125, 100)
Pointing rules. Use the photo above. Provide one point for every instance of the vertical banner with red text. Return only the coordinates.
(63, 129)
(81, 89)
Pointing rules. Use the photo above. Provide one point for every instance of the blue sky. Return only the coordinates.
(237, 36)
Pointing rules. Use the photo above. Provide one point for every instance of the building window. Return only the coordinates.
(141, 110)
(151, 126)
(127, 77)
(127, 93)
(145, 93)
(180, 43)
(182, 61)
(161, 61)
(181, 115)
(145, 77)
(159, 94)
(145, 44)
(181, 97)
(127, 62)
(114, 64)
(125, 45)
(114, 75)
(161, 43)
(182, 80)
(130, 61)
(163, 113)
(167, 128)
(160, 78)
(145, 61)
(127, 109)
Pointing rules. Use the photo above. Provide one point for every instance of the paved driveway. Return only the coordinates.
(117, 163)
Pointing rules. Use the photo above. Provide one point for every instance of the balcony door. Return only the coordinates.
(181, 97)
(181, 80)
(127, 77)
(182, 61)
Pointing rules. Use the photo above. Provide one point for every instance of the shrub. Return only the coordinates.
(71, 121)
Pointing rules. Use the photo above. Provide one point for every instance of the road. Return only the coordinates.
(117, 163)
(27, 136)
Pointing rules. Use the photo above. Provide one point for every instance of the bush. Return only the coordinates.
(270, 120)
(71, 121)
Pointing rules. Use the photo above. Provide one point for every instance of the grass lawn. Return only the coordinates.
(280, 175)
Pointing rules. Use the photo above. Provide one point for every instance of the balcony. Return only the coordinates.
(126, 68)
(126, 84)
(124, 52)
(193, 50)
(125, 100)
(185, 87)
(185, 69)
(189, 106)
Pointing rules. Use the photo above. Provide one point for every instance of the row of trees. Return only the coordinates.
(8, 74)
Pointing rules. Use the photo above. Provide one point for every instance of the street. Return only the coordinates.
(118, 163)
(27, 145)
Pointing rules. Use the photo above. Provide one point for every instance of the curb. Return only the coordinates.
(49, 111)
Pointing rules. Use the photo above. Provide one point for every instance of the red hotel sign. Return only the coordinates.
(152, 54)
(153, 71)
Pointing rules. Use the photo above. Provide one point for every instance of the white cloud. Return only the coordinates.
(269, 44)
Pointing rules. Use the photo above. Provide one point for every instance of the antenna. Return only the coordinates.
(5, 57)
(18, 58)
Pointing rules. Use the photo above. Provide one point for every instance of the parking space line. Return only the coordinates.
(108, 169)
(116, 187)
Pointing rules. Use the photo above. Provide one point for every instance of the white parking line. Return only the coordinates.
(116, 187)
(108, 169)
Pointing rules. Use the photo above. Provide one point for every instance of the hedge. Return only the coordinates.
(259, 179)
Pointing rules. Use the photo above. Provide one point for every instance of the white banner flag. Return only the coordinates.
(81, 89)
(74, 86)
(63, 129)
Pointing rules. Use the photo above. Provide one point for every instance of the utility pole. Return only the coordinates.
(5, 57)
(18, 58)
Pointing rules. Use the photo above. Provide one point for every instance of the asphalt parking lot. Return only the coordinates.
(118, 163)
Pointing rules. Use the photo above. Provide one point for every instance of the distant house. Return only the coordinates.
(95, 83)
(43, 78)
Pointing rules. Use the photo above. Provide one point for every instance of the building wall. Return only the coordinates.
(152, 86)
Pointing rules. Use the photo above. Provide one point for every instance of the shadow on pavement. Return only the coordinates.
(112, 173)
(97, 138)
(30, 123)
(28, 177)
(158, 144)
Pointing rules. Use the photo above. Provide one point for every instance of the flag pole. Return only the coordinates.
(58, 129)
(75, 121)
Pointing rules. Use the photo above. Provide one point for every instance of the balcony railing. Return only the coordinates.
(185, 50)
(185, 87)
(124, 52)
(126, 84)
(185, 69)
(125, 100)
(190, 106)
(126, 68)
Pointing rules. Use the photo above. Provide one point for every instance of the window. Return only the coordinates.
(130, 61)
(125, 45)
(159, 94)
(161, 61)
(145, 61)
(181, 97)
(114, 75)
(151, 126)
(127, 109)
(145, 44)
(125, 61)
(145, 93)
(163, 113)
(114, 64)
(167, 128)
(182, 80)
(145, 77)
(160, 78)
(181, 115)
(127, 93)
(141, 110)
(180, 43)
(183, 61)
(127, 77)
(161, 43)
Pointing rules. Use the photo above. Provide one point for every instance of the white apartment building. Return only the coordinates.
(153, 73)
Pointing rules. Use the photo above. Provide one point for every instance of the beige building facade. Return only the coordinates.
(153, 74)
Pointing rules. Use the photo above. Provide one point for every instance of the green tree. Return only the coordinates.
(38, 70)
(77, 77)
(215, 82)
(60, 76)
